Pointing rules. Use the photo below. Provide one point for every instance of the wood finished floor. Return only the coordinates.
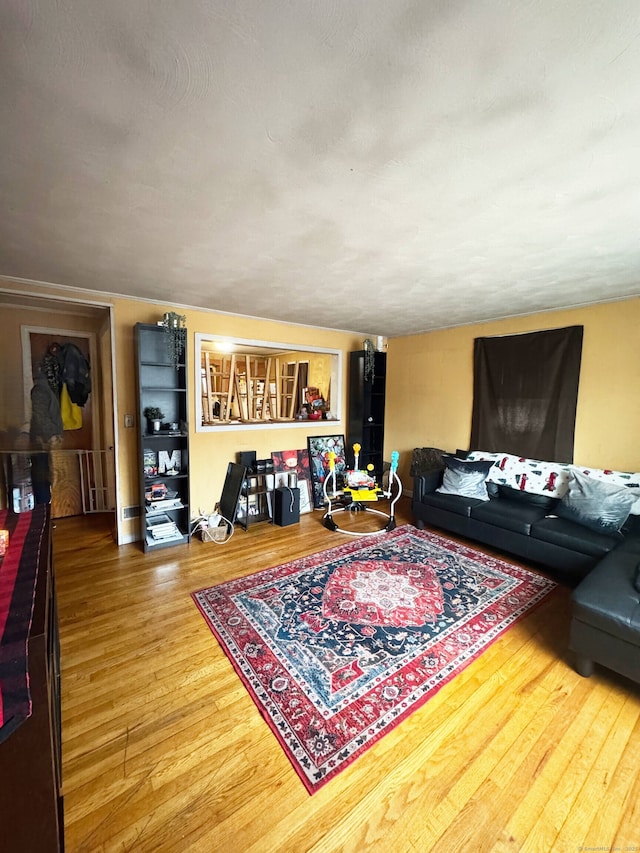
(163, 750)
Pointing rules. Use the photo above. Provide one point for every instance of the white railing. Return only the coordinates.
(93, 481)
(96, 476)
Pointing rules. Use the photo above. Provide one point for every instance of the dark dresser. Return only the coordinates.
(31, 805)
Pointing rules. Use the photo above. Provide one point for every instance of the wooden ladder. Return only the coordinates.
(286, 389)
(242, 384)
(262, 385)
(217, 387)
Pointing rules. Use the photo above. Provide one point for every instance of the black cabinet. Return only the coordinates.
(367, 382)
(164, 452)
(286, 506)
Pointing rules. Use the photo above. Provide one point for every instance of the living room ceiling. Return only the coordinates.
(381, 167)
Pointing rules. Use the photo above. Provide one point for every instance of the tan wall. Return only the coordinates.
(430, 385)
(210, 452)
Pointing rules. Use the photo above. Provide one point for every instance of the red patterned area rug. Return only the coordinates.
(339, 647)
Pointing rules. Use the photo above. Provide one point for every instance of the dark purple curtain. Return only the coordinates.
(525, 391)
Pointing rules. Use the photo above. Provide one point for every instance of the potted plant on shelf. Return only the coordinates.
(154, 417)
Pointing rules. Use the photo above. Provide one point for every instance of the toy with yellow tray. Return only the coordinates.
(358, 492)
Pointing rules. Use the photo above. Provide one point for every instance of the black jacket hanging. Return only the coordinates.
(76, 374)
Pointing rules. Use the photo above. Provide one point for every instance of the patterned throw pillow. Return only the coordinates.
(600, 506)
(464, 478)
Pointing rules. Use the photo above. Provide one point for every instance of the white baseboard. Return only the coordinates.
(128, 538)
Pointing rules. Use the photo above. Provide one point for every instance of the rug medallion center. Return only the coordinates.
(378, 592)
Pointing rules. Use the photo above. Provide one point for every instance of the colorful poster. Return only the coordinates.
(319, 448)
(289, 462)
(150, 462)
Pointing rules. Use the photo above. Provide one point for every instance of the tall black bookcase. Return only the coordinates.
(163, 458)
(366, 409)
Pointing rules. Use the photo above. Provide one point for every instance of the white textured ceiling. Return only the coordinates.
(384, 167)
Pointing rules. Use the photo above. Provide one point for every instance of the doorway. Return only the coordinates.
(82, 462)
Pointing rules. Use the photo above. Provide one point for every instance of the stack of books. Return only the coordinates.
(154, 507)
(161, 527)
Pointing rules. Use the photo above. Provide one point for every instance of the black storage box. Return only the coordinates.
(247, 458)
(286, 506)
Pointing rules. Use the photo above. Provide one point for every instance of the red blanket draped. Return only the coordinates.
(18, 576)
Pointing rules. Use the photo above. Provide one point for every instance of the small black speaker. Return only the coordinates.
(247, 458)
(286, 506)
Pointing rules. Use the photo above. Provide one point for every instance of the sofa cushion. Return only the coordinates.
(546, 501)
(575, 537)
(510, 515)
(631, 532)
(606, 598)
(463, 478)
(600, 506)
(631, 527)
(452, 503)
(630, 545)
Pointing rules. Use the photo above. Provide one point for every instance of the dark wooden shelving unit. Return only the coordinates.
(256, 493)
(163, 456)
(366, 410)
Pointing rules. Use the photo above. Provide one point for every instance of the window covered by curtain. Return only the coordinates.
(525, 393)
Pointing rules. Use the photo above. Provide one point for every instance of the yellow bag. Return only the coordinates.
(71, 413)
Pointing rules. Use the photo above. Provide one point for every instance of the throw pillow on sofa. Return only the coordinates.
(463, 478)
(603, 507)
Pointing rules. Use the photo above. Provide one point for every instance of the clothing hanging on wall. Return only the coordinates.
(65, 364)
(71, 413)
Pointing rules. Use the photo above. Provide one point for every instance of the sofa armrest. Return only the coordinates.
(426, 483)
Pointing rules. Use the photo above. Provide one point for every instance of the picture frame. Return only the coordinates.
(319, 446)
(287, 462)
(150, 462)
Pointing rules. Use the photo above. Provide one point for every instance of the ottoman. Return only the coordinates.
(605, 618)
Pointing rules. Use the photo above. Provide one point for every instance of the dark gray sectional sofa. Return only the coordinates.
(516, 522)
(603, 569)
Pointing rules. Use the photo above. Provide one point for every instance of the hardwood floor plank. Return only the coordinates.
(483, 734)
(423, 765)
(599, 794)
(550, 761)
(627, 832)
(164, 750)
(565, 796)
